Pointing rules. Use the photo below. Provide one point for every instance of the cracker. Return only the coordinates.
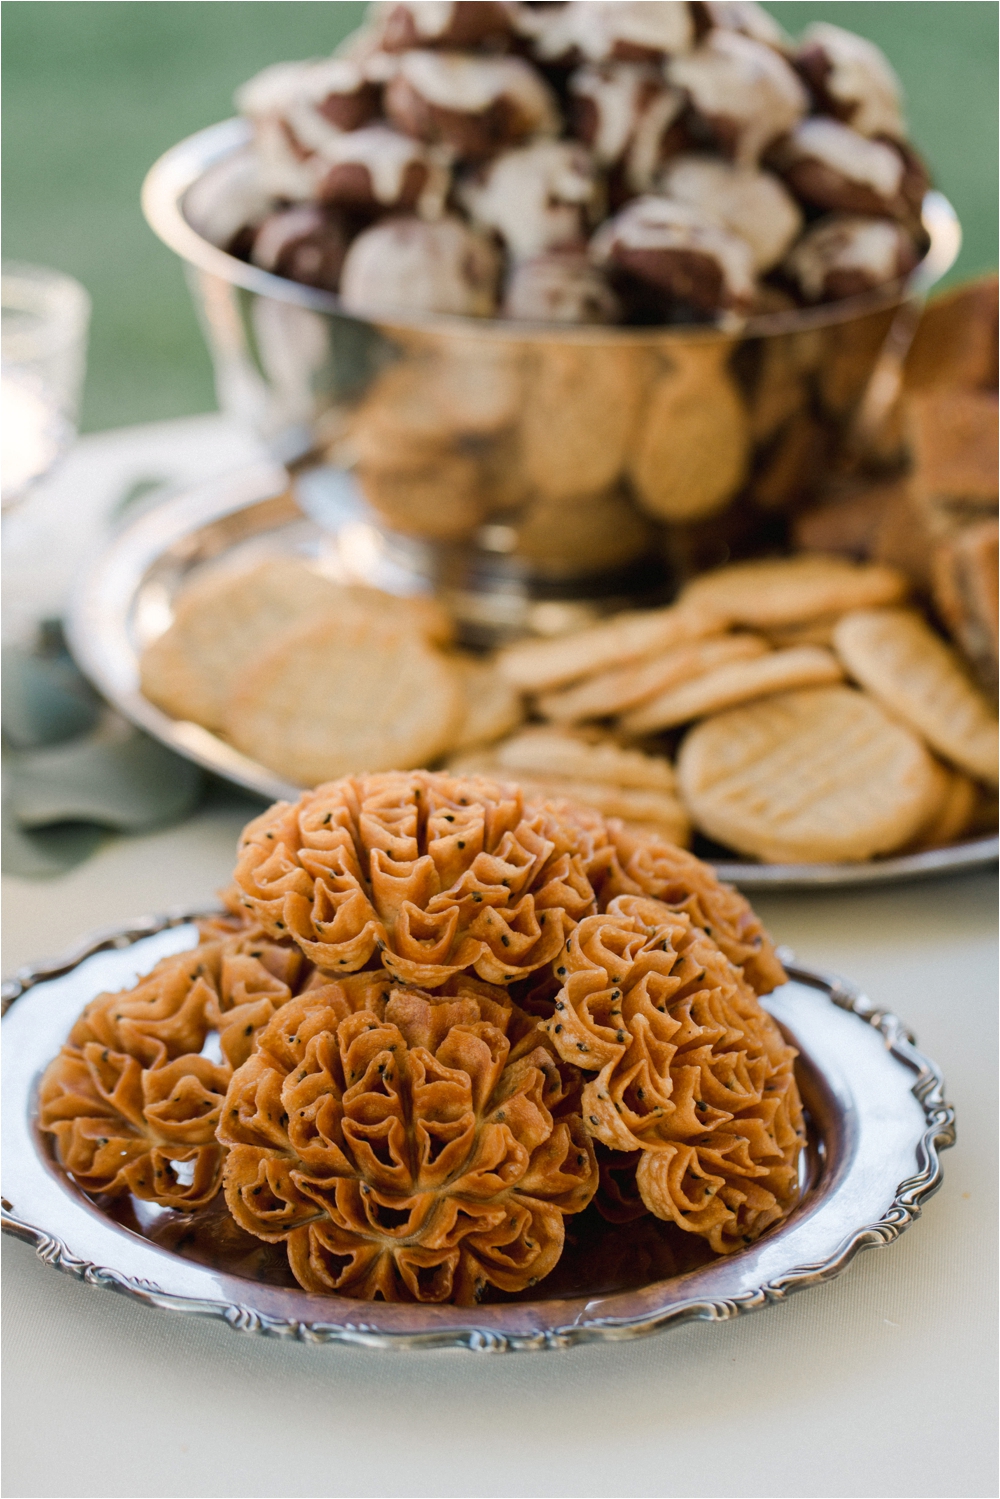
(492, 706)
(625, 687)
(342, 694)
(803, 777)
(535, 665)
(221, 622)
(953, 814)
(540, 751)
(641, 807)
(740, 682)
(896, 655)
(790, 590)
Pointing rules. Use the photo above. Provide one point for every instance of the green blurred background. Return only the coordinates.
(95, 90)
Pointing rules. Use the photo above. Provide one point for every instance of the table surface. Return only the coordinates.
(881, 1382)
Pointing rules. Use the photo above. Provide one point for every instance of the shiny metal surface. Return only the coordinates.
(876, 1103)
(573, 461)
(125, 598)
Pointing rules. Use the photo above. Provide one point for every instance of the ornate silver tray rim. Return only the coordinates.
(886, 1114)
(101, 633)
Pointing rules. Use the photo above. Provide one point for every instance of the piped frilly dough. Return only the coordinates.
(435, 874)
(691, 1072)
(420, 1150)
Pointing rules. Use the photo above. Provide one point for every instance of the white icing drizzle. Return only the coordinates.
(282, 172)
(536, 197)
(661, 25)
(753, 204)
(386, 154)
(845, 242)
(730, 76)
(405, 264)
(470, 84)
(645, 153)
(752, 19)
(860, 75)
(845, 151)
(665, 224)
(634, 109)
(431, 18)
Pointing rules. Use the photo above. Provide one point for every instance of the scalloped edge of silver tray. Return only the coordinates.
(877, 1101)
(251, 511)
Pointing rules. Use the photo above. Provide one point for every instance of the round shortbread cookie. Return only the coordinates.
(557, 752)
(221, 622)
(790, 590)
(739, 682)
(344, 694)
(819, 774)
(953, 814)
(899, 659)
(492, 706)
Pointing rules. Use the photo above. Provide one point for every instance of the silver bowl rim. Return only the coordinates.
(708, 1294)
(170, 177)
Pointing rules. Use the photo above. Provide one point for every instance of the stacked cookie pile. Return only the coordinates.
(315, 679)
(830, 722)
(585, 162)
(441, 1020)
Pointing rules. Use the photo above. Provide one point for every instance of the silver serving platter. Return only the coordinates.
(124, 601)
(878, 1120)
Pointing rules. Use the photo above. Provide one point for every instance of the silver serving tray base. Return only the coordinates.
(125, 600)
(878, 1116)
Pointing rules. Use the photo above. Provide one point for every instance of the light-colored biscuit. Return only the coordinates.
(445, 499)
(791, 590)
(740, 682)
(804, 777)
(613, 691)
(896, 655)
(811, 632)
(343, 694)
(536, 665)
(644, 808)
(693, 448)
(579, 416)
(554, 752)
(492, 706)
(221, 621)
(953, 814)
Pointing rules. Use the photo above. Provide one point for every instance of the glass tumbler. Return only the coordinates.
(43, 342)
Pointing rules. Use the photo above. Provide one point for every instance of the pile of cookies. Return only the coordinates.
(441, 1020)
(583, 162)
(315, 679)
(792, 709)
(813, 715)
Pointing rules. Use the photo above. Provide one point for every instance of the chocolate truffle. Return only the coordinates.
(298, 109)
(744, 16)
(850, 78)
(843, 256)
(753, 204)
(622, 30)
(477, 106)
(743, 94)
(629, 118)
(679, 254)
(305, 243)
(378, 168)
(829, 165)
(407, 265)
(562, 286)
(536, 197)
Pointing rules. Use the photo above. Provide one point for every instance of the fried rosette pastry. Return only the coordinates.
(427, 875)
(647, 864)
(131, 1104)
(691, 1073)
(420, 1150)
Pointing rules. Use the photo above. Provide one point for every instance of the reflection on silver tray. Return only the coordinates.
(125, 600)
(877, 1108)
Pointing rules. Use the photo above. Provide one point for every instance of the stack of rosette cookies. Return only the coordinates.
(439, 1022)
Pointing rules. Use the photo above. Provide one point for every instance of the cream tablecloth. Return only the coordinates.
(880, 1383)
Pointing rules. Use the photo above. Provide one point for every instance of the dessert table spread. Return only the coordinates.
(879, 1382)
